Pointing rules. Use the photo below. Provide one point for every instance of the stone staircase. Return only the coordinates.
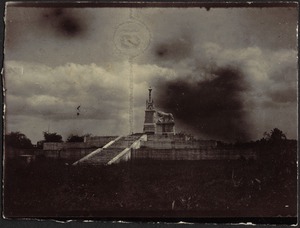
(109, 153)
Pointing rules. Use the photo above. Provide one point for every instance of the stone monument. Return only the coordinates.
(165, 123)
(157, 122)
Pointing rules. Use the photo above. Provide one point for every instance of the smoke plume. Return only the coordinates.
(213, 107)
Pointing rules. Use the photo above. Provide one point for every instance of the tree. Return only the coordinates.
(75, 138)
(40, 144)
(275, 135)
(18, 140)
(276, 154)
(52, 137)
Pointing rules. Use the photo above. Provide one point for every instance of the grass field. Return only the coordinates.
(149, 188)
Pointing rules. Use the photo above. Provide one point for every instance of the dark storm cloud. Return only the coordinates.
(184, 43)
(218, 101)
(174, 49)
(65, 22)
(212, 107)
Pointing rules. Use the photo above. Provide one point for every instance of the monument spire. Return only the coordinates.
(149, 102)
(150, 90)
(149, 124)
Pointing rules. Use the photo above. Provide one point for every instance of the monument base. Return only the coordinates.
(165, 128)
(149, 128)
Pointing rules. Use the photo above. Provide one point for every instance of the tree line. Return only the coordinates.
(21, 141)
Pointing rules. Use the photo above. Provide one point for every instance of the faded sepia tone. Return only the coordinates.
(210, 90)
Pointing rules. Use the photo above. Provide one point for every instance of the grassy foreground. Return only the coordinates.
(145, 188)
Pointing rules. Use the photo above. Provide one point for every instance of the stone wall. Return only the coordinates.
(90, 142)
(165, 147)
(192, 154)
(176, 142)
(71, 155)
(73, 151)
(98, 141)
(165, 128)
(66, 145)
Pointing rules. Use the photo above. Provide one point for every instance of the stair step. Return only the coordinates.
(107, 154)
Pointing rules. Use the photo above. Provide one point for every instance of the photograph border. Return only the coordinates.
(157, 221)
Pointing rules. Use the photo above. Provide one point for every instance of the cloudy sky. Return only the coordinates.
(225, 73)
